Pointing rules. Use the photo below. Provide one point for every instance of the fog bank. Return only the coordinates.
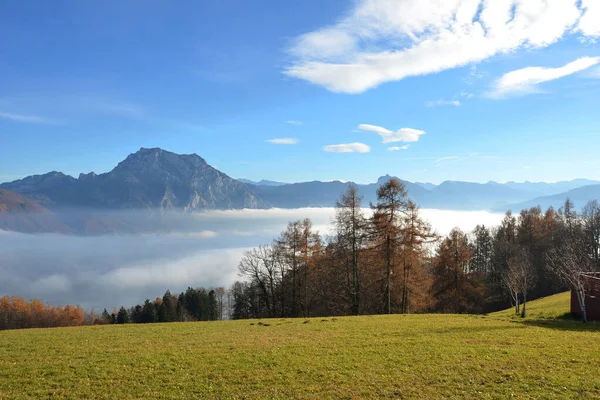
(200, 249)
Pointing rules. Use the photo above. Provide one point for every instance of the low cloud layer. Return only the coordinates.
(113, 270)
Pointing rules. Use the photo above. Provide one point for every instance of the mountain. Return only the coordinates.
(40, 188)
(325, 194)
(426, 185)
(547, 189)
(579, 196)
(153, 180)
(18, 213)
(457, 195)
(148, 179)
(262, 182)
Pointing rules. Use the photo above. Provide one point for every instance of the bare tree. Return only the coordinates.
(520, 277)
(511, 281)
(591, 225)
(259, 265)
(571, 263)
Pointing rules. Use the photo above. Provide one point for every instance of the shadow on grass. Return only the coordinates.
(472, 329)
(565, 322)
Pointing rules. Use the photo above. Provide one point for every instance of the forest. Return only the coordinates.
(378, 260)
(389, 260)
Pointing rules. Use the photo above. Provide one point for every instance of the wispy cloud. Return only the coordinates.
(408, 135)
(293, 122)
(347, 148)
(117, 108)
(398, 148)
(470, 156)
(283, 141)
(30, 119)
(448, 158)
(525, 80)
(380, 41)
(439, 103)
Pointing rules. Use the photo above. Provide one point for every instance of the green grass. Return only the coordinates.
(416, 356)
(555, 306)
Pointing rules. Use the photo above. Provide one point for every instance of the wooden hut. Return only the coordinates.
(592, 297)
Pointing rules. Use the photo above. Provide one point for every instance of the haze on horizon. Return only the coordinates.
(107, 271)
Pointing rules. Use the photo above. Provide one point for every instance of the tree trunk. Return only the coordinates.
(581, 298)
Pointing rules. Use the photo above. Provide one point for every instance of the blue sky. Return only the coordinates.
(471, 90)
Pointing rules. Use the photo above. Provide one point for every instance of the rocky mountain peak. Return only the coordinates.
(83, 177)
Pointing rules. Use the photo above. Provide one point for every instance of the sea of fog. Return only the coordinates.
(201, 249)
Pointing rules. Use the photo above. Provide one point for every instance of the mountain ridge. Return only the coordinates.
(156, 179)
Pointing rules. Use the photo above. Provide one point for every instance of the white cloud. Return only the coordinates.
(347, 148)
(439, 103)
(398, 148)
(408, 135)
(293, 122)
(32, 119)
(380, 41)
(283, 141)
(525, 80)
(589, 24)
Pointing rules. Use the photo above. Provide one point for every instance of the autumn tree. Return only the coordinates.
(387, 229)
(351, 229)
(481, 245)
(416, 234)
(456, 288)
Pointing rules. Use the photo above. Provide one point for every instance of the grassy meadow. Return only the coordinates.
(414, 356)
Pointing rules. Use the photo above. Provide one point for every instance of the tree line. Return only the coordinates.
(192, 305)
(391, 261)
(19, 313)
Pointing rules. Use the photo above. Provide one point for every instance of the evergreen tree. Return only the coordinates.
(148, 312)
(122, 316)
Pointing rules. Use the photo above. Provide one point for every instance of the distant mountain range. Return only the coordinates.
(155, 180)
(263, 182)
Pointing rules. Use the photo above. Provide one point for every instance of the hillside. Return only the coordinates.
(21, 214)
(396, 356)
(579, 196)
(554, 306)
